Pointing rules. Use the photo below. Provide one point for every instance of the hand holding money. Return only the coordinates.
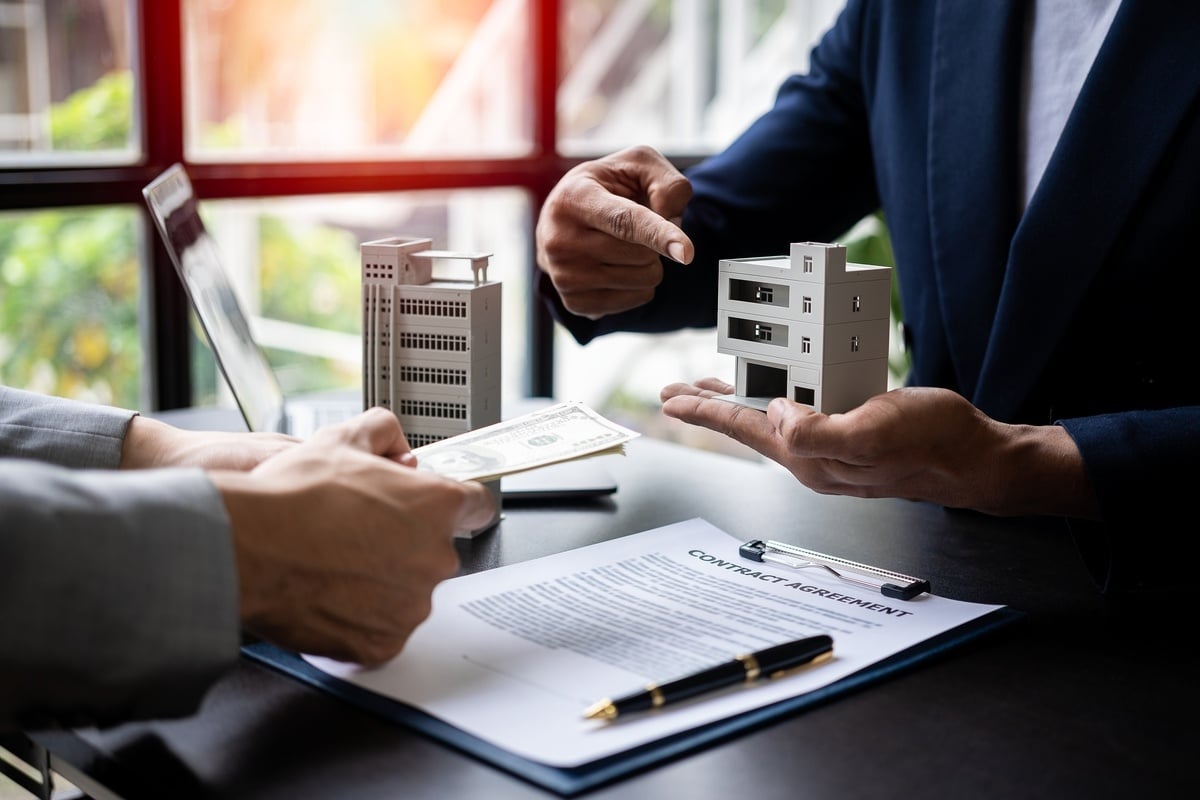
(562, 432)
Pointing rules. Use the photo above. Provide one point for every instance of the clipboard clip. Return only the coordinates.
(888, 583)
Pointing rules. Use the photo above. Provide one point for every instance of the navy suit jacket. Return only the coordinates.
(1079, 311)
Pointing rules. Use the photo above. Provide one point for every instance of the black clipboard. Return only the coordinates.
(572, 781)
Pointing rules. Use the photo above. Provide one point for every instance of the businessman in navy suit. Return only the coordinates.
(1038, 164)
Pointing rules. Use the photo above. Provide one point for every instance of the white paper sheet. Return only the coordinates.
(515, 654)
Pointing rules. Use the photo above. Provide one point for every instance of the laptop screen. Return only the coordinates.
(258, 394)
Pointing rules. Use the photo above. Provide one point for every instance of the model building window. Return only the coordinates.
(853, 344)
(808, 264)
(764, 294)
(805, 345)
(856, 304)
(762, 332)
(806, 305)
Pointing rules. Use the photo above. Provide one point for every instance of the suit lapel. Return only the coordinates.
(972, 153)
(1145, 78)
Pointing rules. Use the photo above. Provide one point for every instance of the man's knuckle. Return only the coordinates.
(553, 246)
(621, 222)
(642, 152)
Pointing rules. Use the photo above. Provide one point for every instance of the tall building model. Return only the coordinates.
(431, 348)
(806, 326)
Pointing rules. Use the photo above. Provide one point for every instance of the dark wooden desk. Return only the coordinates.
(1077, 701)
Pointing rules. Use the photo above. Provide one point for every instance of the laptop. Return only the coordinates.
(243, 363)
(251, 380)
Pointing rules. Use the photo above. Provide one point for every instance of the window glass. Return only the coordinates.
(69, 283)
(66, 87)
(680, 75)
(326, 79)
(295, 264)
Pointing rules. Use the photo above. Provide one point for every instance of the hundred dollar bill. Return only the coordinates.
(562, 432)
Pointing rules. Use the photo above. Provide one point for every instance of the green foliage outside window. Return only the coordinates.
(311, 276)
(68, 304)
(95, 118)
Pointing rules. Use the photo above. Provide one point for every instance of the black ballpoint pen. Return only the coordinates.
(748, 667)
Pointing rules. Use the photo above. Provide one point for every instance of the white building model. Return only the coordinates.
(808, 326)
(431, 348)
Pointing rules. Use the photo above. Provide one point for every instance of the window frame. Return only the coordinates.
(165, 328)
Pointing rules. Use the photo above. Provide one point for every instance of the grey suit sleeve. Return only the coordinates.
(59, 431)
(118, 589)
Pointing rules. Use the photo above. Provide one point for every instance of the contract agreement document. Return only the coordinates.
(514, 655)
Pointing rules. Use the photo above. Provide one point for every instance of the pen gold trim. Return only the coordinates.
(821, 659)
(751, 664)
(603, 709)
(770, 663)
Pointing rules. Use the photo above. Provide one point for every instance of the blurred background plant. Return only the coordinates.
(68, 304)
(95, 118)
